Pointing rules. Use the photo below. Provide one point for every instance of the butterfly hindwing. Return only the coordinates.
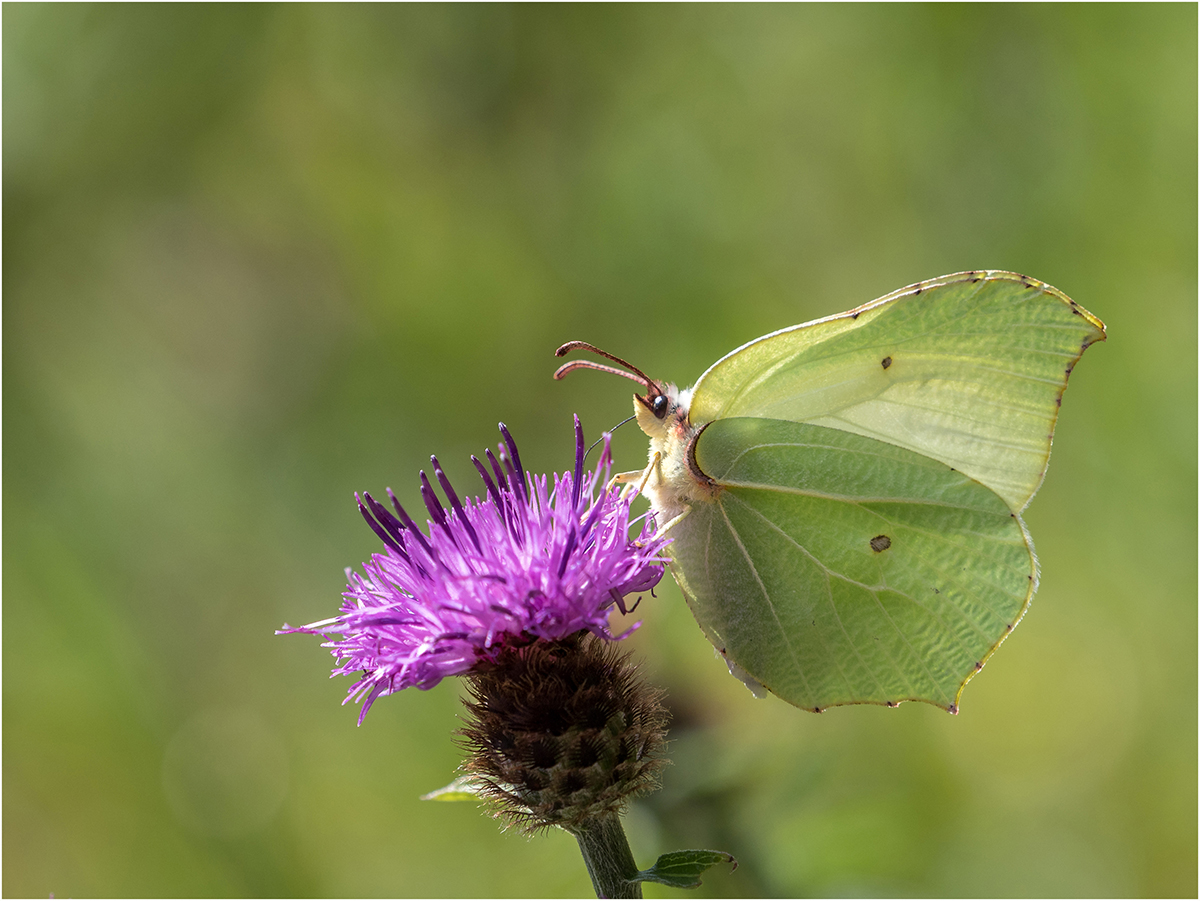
(835, 568)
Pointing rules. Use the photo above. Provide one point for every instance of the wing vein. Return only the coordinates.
(767, 597)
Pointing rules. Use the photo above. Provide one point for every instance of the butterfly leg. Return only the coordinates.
(638, 475)
(620, 602)
(671, 523)
(624, 478)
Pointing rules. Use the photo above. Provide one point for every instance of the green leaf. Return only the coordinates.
(464, 788)
(682, 869)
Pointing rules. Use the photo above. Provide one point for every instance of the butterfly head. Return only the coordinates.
(658, 411)
(662, 410)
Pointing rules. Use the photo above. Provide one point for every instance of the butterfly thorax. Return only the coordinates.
(673, 483)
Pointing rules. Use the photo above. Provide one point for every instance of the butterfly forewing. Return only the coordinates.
(835, 568)
(968, 369)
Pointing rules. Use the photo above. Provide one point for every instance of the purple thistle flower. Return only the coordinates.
(522, 564)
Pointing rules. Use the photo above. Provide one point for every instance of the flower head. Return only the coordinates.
(527, 562)
(562, 733)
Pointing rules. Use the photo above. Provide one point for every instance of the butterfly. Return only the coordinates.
(845, 496)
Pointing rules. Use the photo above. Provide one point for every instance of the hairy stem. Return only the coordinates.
(608, 858)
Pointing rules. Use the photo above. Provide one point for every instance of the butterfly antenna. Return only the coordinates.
(634, 373)
(601, 438)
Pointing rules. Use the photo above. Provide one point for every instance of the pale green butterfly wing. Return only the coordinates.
(967, 369)
(864, 543)
(838, 569)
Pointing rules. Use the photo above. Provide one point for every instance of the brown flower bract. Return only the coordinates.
(562, 732)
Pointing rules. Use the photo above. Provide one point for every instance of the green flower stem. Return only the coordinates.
(608, 858)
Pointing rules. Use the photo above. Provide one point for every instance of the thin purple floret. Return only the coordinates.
(579, 455)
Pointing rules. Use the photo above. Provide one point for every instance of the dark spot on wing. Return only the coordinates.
(1008, 628)
(880, 543)
(854, 315)
(952, 709)
(887, 361)
(892, 703)
(818, 710)
(978, 665)
(937, 591)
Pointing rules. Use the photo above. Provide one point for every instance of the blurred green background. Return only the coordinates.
(259, 257)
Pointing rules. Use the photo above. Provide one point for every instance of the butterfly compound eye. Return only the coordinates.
(659, 405)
